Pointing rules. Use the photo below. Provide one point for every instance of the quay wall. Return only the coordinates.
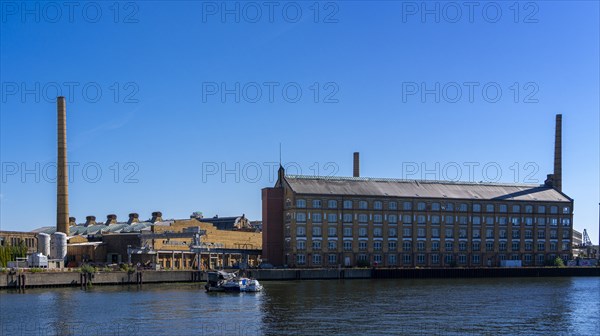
(65, 279)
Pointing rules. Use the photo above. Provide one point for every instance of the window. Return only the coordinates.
(528, 234)
(448, 258)
(502, 246)
(541, 209)
(566, 234)
(331, 218)
(393, 219)
(332, 258)
(301, 203)
(362, 257)
(503, 208)
(316, 259)
(476, 259)
(392, 245)
(554, 209)
(392, 232)
(463, 207)
(301, 217)
(316, 231)
(332, 231)
(516, 208)
(377, 245)
(489, 233)
(476, 207)
(435, 258)
(407, 232)
(541, 234)
(476, 220)
(393, 205)
(553, 246)
(541, 221)
(378, 205)
(362, 232)
(528, 221)
(421, 219)
(435, 219)
(300, 259)
(476, 233)
(553, 234)
(449, 207)
(316, 245)
(332, 245)
(566, 222)
(462, 246)
(502, 220)
(566, 210)
(316, 203)
(377, 219)
(363, 205)
(449, 219)
(541, 246)
(347, 245)
(515, 246)
(476, 246)
(448, 246)
(528, 246)
(489, 246)
(516, 234)
(489, 208)
(377, 232)
(301, 245)
(435, 232)
(407, 219)
(407, 206)
(528, 209)
(406, 259)
(421, 206)
(449, 233)
(515, 221)
(362, 245)
(347, 218)
(553, 221)
(392, 259)
(406, 246)
(362, 218)
(435, 206)
(332, 204)
(462, 259)
(317, 217)
(377, 258)
(503, 234)
(462, 220)
(435, 246)
(347, 232)
(565, 246)
(300, 231)
(421, 232)
(489, 220)
(420, 246)
(347, 204)
(420, 259)
(462, 233)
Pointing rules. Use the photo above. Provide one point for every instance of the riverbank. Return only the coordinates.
(21, 280)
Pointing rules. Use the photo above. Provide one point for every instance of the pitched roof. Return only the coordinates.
(361, 186)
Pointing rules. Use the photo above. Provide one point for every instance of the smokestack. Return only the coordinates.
(62, 179)
(557, 182)
(90, 220)
(156, 217)
(133, 218)
(356, 171)
(111, 219)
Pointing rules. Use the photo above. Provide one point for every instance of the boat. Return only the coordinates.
(222, 281)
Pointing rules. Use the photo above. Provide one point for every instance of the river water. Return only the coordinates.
(500, 306)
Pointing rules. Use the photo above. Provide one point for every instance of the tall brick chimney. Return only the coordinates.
(356, 170)
(557, 178)
(62, 179)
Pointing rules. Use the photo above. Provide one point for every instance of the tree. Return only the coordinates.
(558, 262)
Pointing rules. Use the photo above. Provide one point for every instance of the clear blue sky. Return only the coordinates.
(166, 127)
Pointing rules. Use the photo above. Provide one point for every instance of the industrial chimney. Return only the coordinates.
(133, 218)
(557, 180)
(356, 170)
(62, 179)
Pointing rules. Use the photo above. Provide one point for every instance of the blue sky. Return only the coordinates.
(181, 106)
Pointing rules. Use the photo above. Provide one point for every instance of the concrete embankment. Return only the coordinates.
(75, 279)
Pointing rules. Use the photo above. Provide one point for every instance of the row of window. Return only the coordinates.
(435, 206)
(317, 259)
(332, 231)
(407, 246)
(317, 217)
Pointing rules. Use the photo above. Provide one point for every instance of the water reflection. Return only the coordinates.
(352, 307)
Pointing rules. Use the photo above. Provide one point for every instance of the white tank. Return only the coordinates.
(58, 245)
(44, 243)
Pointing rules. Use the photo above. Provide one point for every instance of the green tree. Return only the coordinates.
(558, 262)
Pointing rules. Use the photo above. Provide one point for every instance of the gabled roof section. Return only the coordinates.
(379, 187)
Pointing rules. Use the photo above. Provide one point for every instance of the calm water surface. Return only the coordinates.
(508, 306)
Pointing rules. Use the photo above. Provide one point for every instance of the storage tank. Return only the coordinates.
(37, 260)
(44, 243)
(58, 245)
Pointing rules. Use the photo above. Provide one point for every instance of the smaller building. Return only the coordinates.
(16, 238)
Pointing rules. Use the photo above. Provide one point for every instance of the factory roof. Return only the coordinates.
(378, 187)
